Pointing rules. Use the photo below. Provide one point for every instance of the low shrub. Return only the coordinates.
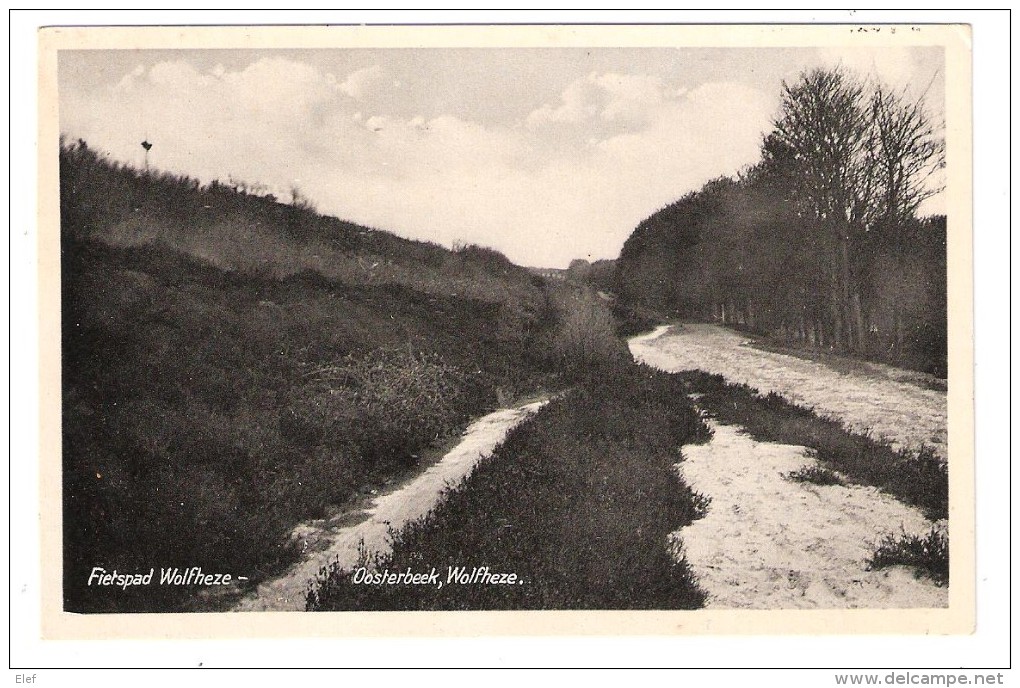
(928, 473)
(816, 475)
(631, 320)
(928, 554)
(699, 504)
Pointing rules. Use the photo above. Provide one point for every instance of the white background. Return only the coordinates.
(989, 647)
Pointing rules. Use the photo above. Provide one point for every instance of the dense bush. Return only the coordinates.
(388, 403)
(584, 337)
(632, 320)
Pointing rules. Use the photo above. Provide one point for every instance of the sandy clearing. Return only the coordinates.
(903, 412)
(770, 543)
(327, 540)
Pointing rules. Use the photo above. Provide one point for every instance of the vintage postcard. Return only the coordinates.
(486, 330)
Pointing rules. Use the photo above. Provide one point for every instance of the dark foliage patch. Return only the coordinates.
(816, 475)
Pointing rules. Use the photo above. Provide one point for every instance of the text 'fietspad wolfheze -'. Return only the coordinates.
(173, 576)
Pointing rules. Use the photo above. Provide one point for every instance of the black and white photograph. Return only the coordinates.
(664, 320)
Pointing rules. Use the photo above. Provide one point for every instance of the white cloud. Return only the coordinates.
(571, 179)
(631, 96)
(577, 103)
(457, 180)
(281, 87)
(609, 97)
(359, 84)
(712, 130)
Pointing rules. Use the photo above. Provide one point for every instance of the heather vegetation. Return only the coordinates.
(579, 503)
(234, 365)
(237, 229)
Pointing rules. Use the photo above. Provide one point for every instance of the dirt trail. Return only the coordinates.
(770, 543)
(880, 398)
(328, 540)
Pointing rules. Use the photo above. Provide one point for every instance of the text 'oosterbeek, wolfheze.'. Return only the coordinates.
(455, 575)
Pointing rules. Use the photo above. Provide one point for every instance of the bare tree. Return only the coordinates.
(858, 159)
(908, 152)
(825, 130)
(299, 200)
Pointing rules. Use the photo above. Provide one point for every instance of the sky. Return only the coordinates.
(547, 154)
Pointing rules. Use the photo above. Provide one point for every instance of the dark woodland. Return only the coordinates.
(820, 243)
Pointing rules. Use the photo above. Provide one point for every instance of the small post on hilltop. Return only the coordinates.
(146, 145)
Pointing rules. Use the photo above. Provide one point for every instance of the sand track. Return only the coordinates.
(328, 540)
(770, 543)
(881, 399)
(767, 542)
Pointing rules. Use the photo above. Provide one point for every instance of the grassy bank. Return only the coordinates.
(919, 478)
(233, 365)
(577, 503)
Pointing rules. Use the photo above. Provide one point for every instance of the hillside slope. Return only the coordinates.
(233, 365)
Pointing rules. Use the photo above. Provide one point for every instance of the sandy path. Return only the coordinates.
(882, 401)
(770, 543)
(331, 540)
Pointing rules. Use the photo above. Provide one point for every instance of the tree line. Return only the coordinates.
(820, 243)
